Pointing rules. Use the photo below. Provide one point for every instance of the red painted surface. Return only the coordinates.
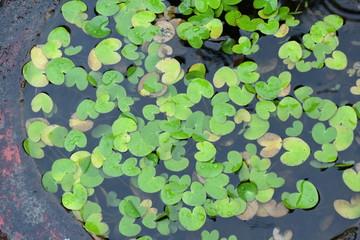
(27, 211)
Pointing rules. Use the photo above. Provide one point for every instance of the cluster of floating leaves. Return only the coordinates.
(173, 120)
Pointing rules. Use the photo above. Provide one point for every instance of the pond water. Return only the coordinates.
(320, 222)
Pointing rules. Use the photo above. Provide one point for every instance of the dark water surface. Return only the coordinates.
(322, 222)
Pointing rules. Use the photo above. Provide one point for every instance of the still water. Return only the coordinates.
(320, 223)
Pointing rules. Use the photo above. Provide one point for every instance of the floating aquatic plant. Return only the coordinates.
(155, 106)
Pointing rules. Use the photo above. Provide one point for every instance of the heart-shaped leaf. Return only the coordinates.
(307, 197)
(349, 210)
(171, 70)
(73, 12)
(61, 167)
(199, 87)
(73, 139)
(337, 62)
(289, 106)
(269, 90)
(192, 220)
(291, 50)
(206, 152)
(196, 197)
(295, 130)
(96, 27)
(321, 135)
(94, 224)
(75, 200)
(148, 182)
(42, 101)
(246, 72)
(106, 51)
(215, 186)
(240, 96)
(298, 151)
(230, 207)
(56, 69)
(128, 228)
(328, 153)
(34, 76)
(352, 179)
(209, 169)
(272, 144)
(225, 75)
(233, 163)
(257, 127)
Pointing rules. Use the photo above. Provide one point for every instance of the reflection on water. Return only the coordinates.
(320, 223)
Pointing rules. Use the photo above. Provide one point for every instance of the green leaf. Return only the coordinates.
(94, 224)
(199, 87)
(229, 207)
(289, 106)
(107, 7)
(269, 90)
(106, 51)
(298, 151)
(352, 179)
(321, 135)
(257, 127)
(215, 187)
(128, 228)
(337, 62)
(192, 220)
(73, 12)
(246, 72)
(60, 34)
(77, 76)
(75, 138)
(233, 163)
(240, 96)
(345, 116)
(34, 149)
(328, 153)
(306, 198)
(56, 69)
(225, 75)
(86, 108)
(61, 167)
(75, 200)
(96, 27)
(102, 104)
(295, 130)
(148, 182)
(291, 50)
(206, 152)
(170, 68)
(34, 76)
(49, 183)
(42, 101)
(195, 197)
